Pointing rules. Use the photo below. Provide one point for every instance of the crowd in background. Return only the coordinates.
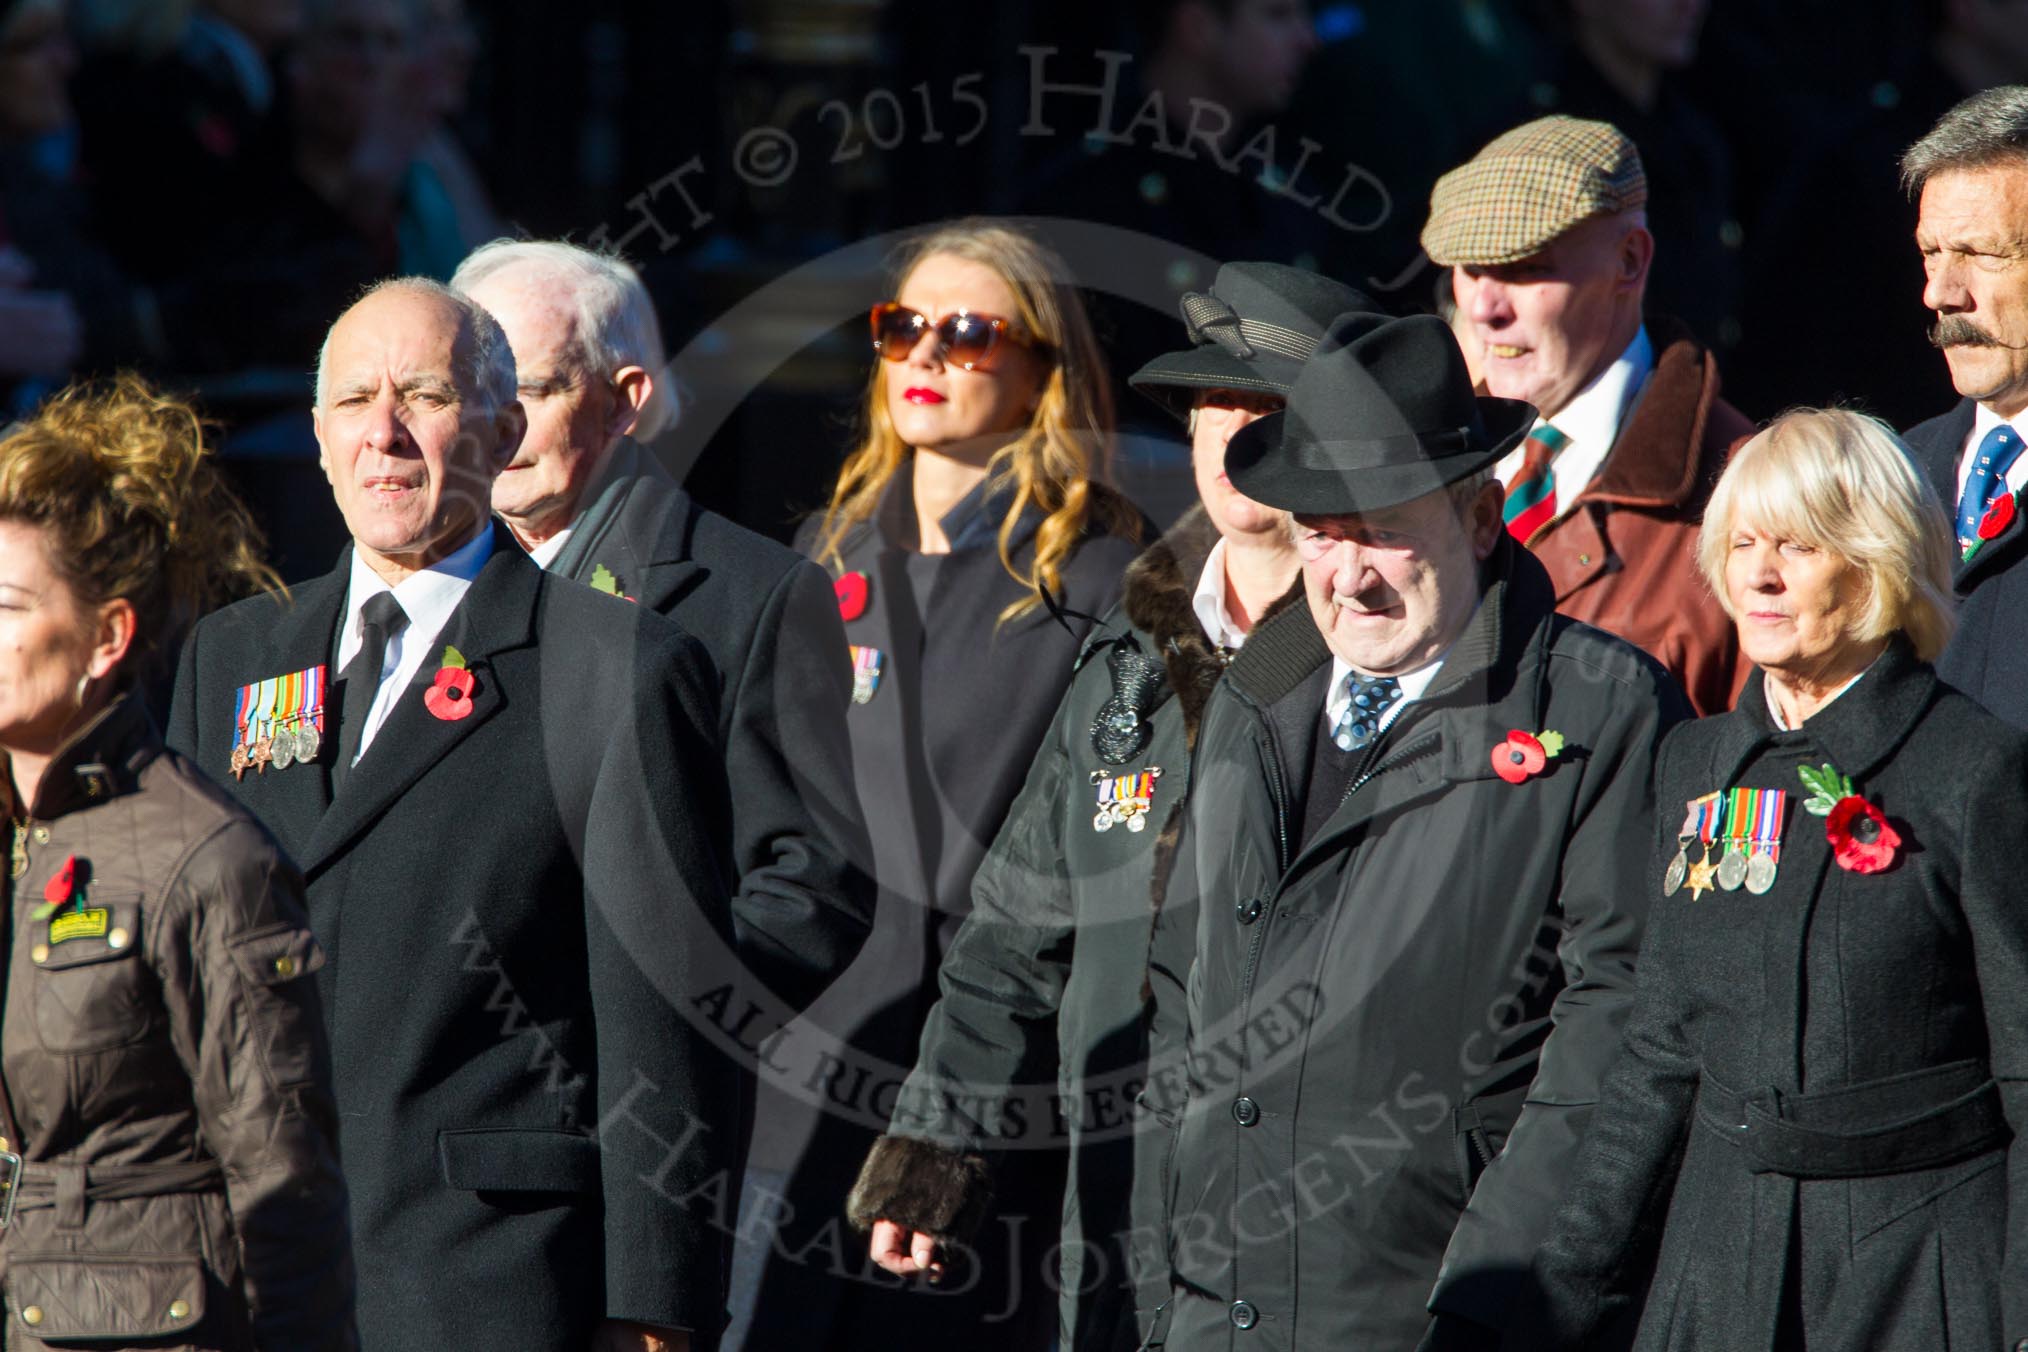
(192, 188)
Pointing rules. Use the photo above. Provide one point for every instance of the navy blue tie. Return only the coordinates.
(1988, 479)
(1371, 697)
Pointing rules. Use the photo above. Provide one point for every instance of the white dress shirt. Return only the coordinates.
(427, 598)
(1209, 603)
(545, 553)
(1985, 420)
(1590, 422)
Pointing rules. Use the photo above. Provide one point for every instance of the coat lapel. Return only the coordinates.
(497, 614)
(290, 802)
(639, 527)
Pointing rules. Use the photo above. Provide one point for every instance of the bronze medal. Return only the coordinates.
(240, 762)
(263, 753)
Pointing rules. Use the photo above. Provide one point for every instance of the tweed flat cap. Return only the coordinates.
(1527, 187)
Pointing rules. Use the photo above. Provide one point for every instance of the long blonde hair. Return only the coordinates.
(1058, 464)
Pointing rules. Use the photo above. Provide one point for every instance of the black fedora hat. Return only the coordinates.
(1252, 331)
(1383, 414)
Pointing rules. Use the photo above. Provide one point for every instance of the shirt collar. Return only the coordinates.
(427, 597)
(1208, 602)
(1984, 420)
(545, 553)
(1592, 419)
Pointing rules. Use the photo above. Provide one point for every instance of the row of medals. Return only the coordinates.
(1756, 871)
(283, 747)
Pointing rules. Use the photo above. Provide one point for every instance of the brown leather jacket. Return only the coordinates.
(166, 1074)
(1624, 558)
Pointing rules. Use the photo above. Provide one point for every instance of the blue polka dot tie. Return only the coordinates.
(1988, 479)
(1372, 697)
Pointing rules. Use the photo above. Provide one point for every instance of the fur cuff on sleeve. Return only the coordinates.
(921, 1186)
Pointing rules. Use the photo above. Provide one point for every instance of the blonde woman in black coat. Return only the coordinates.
(973, 539)
(1808, 1131)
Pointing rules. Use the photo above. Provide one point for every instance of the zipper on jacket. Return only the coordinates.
(1420, 749)
(1281, 796)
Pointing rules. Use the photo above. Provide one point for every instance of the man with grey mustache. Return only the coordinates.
(1971, 176)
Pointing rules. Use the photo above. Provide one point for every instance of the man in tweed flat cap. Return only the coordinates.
(1548, 243)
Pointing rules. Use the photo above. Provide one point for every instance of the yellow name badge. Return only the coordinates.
(79, 925)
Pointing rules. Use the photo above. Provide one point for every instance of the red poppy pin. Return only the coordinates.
(1998, 517)
(852, 592)
(1861, 840)
(1994, 523)
(58, 891)
(450, 694)
(1526, 754)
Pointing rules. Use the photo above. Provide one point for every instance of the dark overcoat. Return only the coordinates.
(1043, 990)
(1397, 1029)
(518, 907)
(940, 747)
(1985, 658)
(767, 618)
(1807, 1110)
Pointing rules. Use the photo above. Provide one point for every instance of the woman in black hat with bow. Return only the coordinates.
(1043, 989)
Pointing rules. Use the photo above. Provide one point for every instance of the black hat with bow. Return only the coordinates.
(1383, 414)
(1252, 332)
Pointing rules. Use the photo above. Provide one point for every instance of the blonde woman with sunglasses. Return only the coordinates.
(972, 540)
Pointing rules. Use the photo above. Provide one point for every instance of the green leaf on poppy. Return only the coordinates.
(453, 658)
(1826, 787)
(1552, 742)
(602, 579)
(44, 911)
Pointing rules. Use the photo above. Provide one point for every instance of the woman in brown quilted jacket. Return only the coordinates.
(170, 1165)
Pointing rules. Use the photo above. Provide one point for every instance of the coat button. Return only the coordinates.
(1244, 1316)
(39, 953)
(1245, 1111)
(1247, 911)
(179, 1309)
(285, 966)
(32, 1315)
(42, 835)
(117, 939)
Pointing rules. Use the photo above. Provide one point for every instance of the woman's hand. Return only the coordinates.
(617, 1335)
(906, 1253)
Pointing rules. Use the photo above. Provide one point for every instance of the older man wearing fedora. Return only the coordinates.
(1546, 235)
(1416, 864)
(1038, 1038)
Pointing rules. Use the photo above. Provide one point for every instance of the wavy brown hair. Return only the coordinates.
(120, 480)
(1058, 464)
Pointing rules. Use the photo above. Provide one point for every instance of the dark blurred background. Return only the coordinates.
(196, 188)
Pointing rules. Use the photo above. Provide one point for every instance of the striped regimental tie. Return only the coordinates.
(1531, 498)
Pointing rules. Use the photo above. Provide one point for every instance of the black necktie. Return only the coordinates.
(381, 618)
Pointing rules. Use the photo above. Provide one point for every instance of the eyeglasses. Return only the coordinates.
(963, 338)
